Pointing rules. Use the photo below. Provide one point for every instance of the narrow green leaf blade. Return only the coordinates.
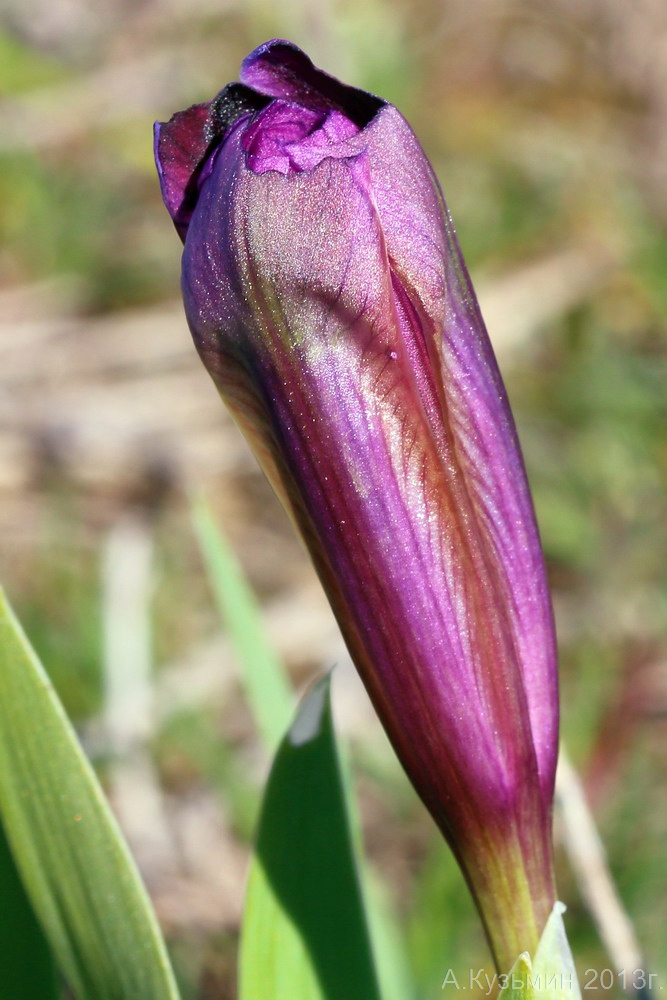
(71, 856)
(27, 971)
(387, 942)
(551, 973)
(267, 687)
(304, 932)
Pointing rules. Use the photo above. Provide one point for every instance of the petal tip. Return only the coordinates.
(180, 146)
(280, 69)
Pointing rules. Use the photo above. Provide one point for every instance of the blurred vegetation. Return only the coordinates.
(547, 124)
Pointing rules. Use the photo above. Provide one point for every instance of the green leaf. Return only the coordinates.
(72, 858)
(394, 973)
(519, 981)
(553, 958)
(551, 975)
(304, 931)
(27, 971)
(267, 687)
(387, 942)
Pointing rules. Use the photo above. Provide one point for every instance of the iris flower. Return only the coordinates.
(328, 298)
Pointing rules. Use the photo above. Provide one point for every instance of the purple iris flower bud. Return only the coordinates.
(327, 296)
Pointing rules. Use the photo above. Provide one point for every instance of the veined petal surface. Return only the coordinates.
(327, 295)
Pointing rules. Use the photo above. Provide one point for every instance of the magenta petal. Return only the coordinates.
(286, 137)
(328, 298)
(424, 251)
(180, 147)
(325, 360)
(280, 69)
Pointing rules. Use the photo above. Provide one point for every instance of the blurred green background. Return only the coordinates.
(546, 121)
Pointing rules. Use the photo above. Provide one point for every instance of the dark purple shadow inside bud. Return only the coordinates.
(184, 146)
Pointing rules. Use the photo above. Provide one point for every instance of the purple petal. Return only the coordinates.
(280, 69)
(286, 137)
(324, 359)
(327, 295)
(423, 248)
(185, 144)
(180, 147)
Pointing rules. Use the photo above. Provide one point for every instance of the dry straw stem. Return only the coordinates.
(591, 868)
(191, 863)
